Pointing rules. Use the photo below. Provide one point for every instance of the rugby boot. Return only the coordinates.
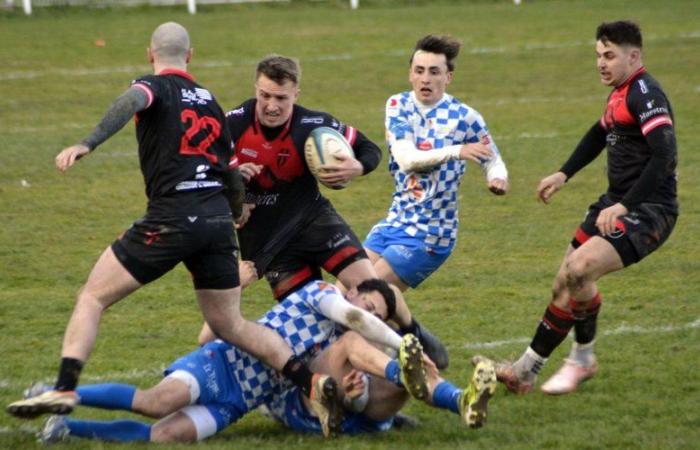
(49, 402)
(326, 405)
(473, 402)
(432, 346)
(505, 373)
(412, 370)
(55, 430)
(568, 377)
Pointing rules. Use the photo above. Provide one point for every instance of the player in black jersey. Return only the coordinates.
(293, 231)
(192, 187)
(632, 219)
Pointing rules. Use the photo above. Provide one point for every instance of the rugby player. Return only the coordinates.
(430, 135)
(293, 231)
(214, 386)
(185, 155)
(633, 218)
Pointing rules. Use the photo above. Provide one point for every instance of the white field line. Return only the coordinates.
(78, 72)
(623, 329)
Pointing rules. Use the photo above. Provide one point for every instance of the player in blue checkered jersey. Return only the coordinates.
(431, 135)
(212, 387)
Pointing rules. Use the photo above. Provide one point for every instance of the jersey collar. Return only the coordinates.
(631, 78)
(178, 72)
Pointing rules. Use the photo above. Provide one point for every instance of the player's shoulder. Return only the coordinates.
(401, 100)
(241, 111)
(308, 119)
(148, 80)
(645, 85)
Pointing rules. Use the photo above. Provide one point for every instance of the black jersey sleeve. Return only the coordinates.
(649, 105)
(367, 152)
(588, 149)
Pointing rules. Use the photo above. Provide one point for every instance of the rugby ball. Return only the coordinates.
(323, 146)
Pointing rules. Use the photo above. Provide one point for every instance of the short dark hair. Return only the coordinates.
(441, 45)
(381, 286)
(279, 69)
(622, 32)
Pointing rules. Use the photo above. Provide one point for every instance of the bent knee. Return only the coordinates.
(172, 432)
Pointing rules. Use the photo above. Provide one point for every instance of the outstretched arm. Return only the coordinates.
(336, 308)
(118, 114)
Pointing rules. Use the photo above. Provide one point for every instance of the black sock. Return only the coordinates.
(299, 374)
(551, 331)
(586, 321)
(68, 374)
(412, 328)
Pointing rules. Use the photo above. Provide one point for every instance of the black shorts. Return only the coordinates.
(637, 234)
(151, 247)
(326, 241)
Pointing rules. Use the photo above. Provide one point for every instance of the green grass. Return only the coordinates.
(529, 70)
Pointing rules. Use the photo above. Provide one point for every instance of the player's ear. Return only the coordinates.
(450, 74)
(188, 55)
(149, 55)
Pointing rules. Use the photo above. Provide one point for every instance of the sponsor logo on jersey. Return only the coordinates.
(312, 119)
(197, 184)
(236, 112)
(198, 96)
(643, 86)
(393, 103)
(283, 157)
(650, 103)
(262, 199)
(249, 152)
(656, 111)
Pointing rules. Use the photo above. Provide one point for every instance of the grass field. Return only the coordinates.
(530, 71)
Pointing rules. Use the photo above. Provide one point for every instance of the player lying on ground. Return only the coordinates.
(215, 385)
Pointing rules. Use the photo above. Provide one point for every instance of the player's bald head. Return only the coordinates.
(170, 42)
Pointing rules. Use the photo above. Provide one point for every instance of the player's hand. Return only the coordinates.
(550, 185)
(250, 170)
(477, 152)
(70, 155)
(245, 215)
(607, 218)
(498, 186)
(353, 384)
(340, 173)
(247, 273)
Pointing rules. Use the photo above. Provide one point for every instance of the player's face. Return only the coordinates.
(275, 101)
(615, 63)
(429, 76)
(372, 302)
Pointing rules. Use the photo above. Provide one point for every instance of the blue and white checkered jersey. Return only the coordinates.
(298, 320)
(424, 203)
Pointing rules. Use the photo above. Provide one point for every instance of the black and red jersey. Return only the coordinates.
(285, 192)
(637, 128)
(184, 146)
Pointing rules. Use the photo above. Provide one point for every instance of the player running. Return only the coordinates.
(631, 220)
(185, 155)
(430, 135)
(293, 231)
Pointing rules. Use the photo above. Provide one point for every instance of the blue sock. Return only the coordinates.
(107, 396)
(392, 372)
(118, 430)
(446, 396)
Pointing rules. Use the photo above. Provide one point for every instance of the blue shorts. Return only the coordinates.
(290, 410)
(410, 258)
(218, 388)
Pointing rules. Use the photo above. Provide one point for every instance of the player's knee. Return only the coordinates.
(155, 403)
(577, 272)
